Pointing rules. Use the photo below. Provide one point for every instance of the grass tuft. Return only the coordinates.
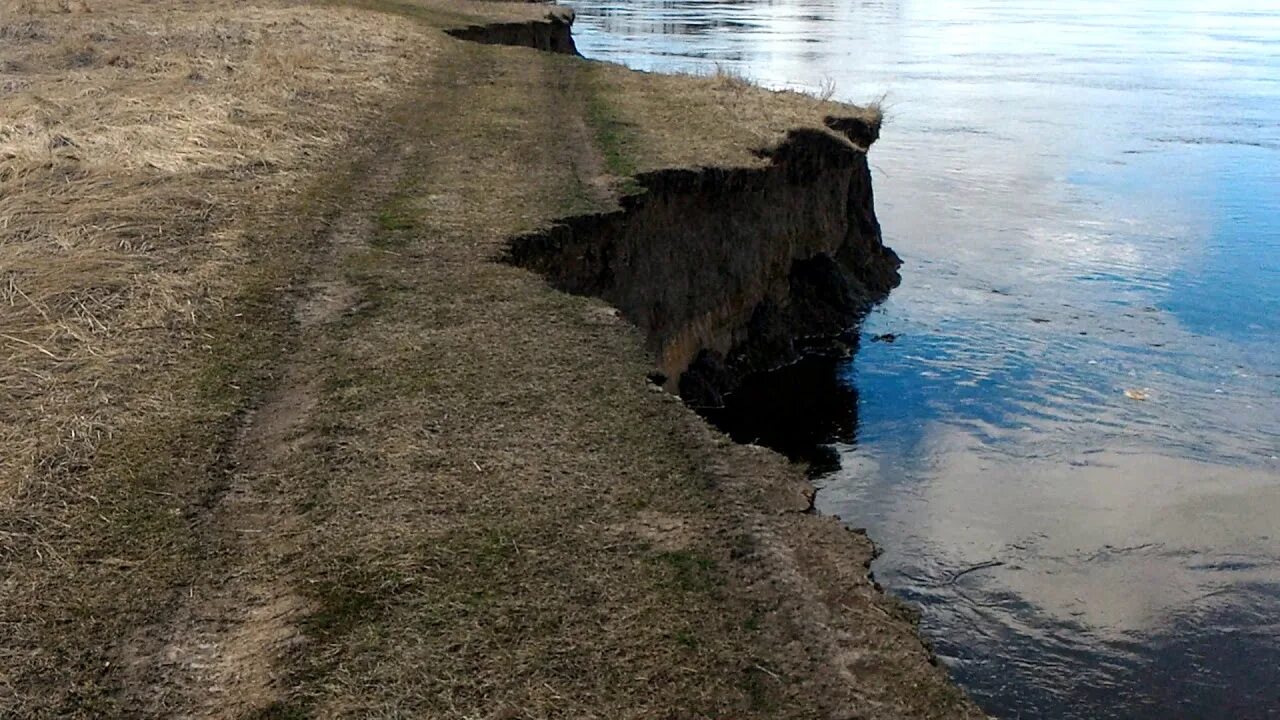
(691, 572)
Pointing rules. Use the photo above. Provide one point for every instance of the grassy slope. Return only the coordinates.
(453, 494)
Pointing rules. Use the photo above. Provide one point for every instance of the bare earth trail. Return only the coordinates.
(452, 493)
(220, 650)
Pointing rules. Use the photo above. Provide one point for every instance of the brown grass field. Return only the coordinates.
(279, 437)
(137, 141)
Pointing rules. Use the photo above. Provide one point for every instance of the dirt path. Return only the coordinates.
(224, 649)
(221, 650)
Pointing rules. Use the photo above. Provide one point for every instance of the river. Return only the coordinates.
(1063, 427)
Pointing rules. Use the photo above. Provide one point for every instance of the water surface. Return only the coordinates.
(1086, 196)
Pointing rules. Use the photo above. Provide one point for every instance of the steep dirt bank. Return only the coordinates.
(730, 272)
(727, 271)
(550, 34)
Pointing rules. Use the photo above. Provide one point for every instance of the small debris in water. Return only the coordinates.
(886, 337)
(1134, 394)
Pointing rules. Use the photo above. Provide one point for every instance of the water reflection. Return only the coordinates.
(1086, 195)
(1085, 581)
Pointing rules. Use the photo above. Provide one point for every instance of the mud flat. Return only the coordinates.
(406, 456)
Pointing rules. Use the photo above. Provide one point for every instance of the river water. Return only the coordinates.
(1069, 450)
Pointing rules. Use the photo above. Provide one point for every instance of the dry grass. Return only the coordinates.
(154, 156)
(457, 477)
(827, 88)
(718, 119)
(137, 141)
(504, 519)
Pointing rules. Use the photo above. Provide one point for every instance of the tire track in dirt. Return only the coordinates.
(220, 653)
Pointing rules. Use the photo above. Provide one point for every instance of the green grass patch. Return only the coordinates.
(396, 224)
(393, 220)
(689, 571)
(615, 136)
(359, 595)
(687, 639)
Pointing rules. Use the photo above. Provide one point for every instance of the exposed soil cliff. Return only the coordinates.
(733, 271)
(550, 35)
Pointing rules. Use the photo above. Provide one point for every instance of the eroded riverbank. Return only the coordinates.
(730, 273)
(1085, 198)
(409, 477)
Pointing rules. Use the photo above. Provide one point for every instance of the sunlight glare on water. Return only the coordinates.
(1086, 196)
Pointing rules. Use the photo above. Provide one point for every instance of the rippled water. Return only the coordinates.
(1087, 199)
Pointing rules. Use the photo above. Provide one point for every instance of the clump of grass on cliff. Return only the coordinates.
(720, 119)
